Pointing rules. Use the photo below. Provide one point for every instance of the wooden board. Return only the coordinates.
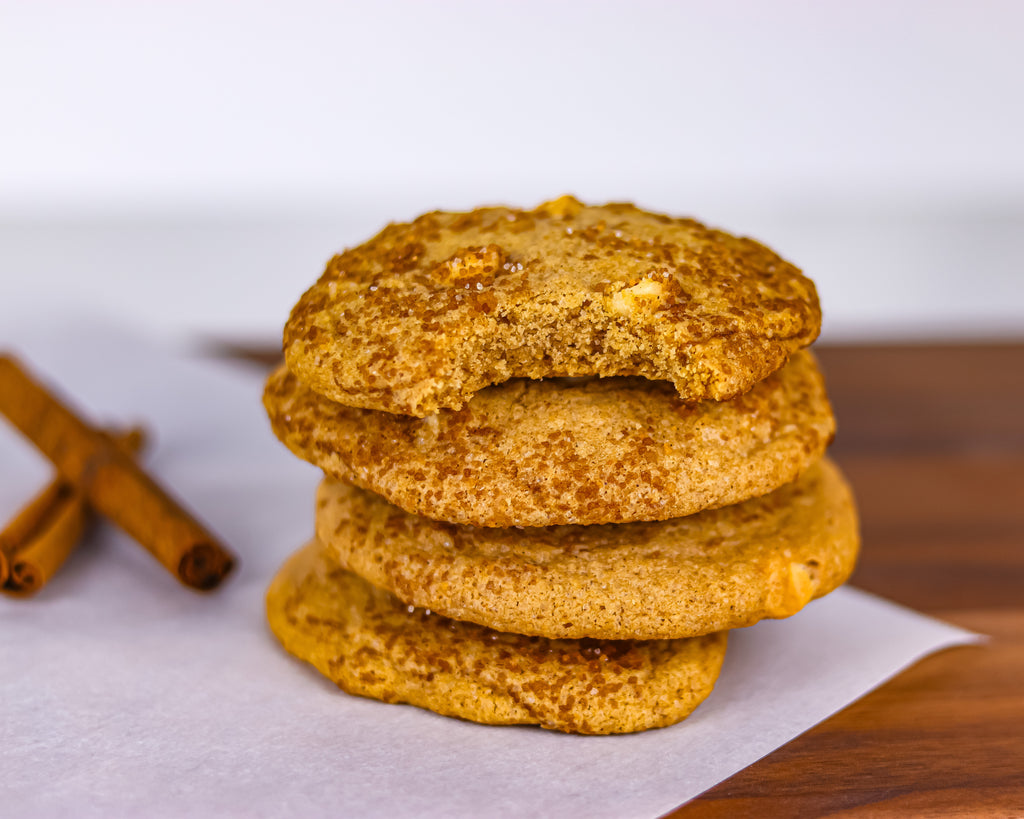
(932, 438)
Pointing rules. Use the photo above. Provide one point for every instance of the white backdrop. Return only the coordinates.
(190, 166)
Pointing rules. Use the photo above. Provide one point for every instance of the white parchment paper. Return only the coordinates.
(125, 694)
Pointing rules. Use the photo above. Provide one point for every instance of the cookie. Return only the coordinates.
(717, 570)
(542, 453)
(371, 644)
(426, 314)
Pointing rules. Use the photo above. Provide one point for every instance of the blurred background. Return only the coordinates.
(188, 167)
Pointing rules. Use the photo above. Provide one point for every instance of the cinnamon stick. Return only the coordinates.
(33, 560)
(35, 544)
(25, 525)
(112, 483)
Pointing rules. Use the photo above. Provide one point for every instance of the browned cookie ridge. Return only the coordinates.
(716, 570)
(425, 314)
(371, 644)
(552, 452)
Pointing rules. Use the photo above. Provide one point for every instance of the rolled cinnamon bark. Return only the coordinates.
(25, 525)
(111, 482)
(40, 538)
(37, 558)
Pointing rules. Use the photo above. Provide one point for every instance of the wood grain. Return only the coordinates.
(932, 439)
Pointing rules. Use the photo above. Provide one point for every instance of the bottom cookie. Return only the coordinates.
(371, 644)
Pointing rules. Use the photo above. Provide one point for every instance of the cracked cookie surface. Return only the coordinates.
(427, 313)
(371, 644)
(553, 452)
(716, 570)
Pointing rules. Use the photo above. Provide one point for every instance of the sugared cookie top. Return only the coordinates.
(425, 314)
(371, 644)
(543, 453)
(713, 571)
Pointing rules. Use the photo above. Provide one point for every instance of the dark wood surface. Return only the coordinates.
(932, 439)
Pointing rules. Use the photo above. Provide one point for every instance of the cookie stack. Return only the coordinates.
(566, 450)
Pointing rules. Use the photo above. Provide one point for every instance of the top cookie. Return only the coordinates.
(425, 314)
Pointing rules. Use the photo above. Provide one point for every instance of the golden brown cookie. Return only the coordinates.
(717, 570)
(425, 314)
(541, 453)
(371, 644)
